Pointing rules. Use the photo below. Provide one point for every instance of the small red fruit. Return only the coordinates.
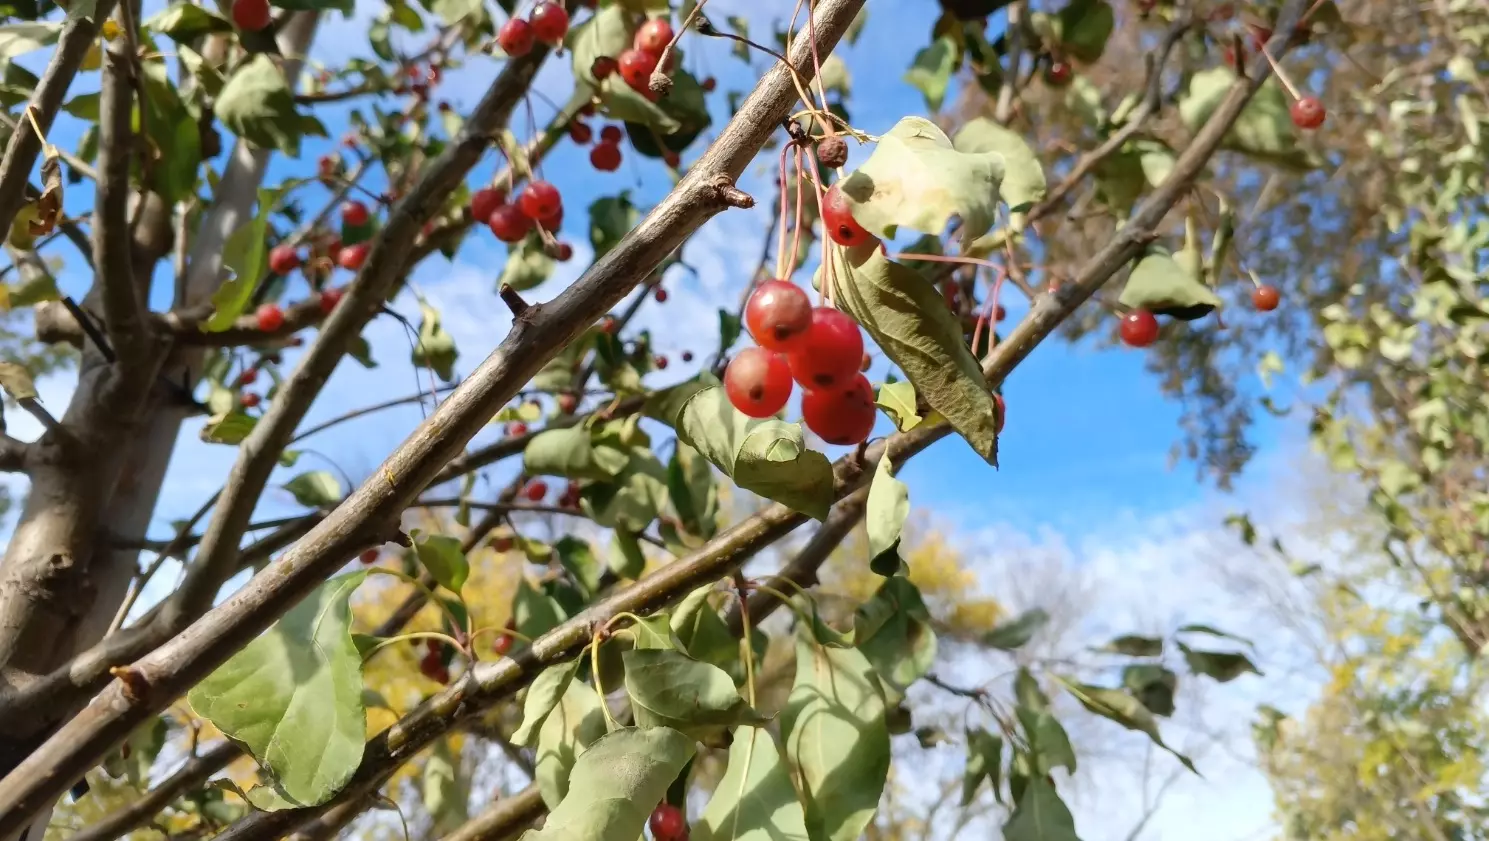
(369, 556)
(1308, 113)
(515, 37)
(502, 645)
(999, 313)
(354, 213)
(270, 317)
(508, 223)
(838, 221)
(671, 158)
(865, 363)
(283, 259)
(504, 543)
(687, 356)
(608, 324)
(1264, 298)
(540, 200)
(653, 36)
(536, 490)
(660, 363)
(330, 297)
(660, 295)
(668, 823)
(352, 257)
(568, 402)
(434, 668)
(603, 66)
(549, 22)
(251, 15)
(635, 69)
(249, 400)
(605, 157)
(1058, 74)
(758, 382)
(248, 377)
(1139, 328)
(581, 133)
(611, 134)
(828, 356)
(778, 315)
(516, 428)
(840, 415)
(708, 84)
(484, 201)
(564, 252)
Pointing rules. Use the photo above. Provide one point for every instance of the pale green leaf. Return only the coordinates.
(893, 630)
(1124, 709)
(571, 453)
(984, 762)
(442, 556)
(670, 689)
(315, 489)
(1016, 633)
(1023, 176)
(547, 689)
(1159, 284)
(257, 105)
(20, 38)
(573, 725)
(755, 800)
(888, 509)
(616, 784)
(528, 265)
(436, 347)
(930, 71)
(17, 382)
(1041, 815)
(897, 399)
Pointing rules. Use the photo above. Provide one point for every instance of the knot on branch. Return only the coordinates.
(730, 195)
(513, 300)
(136, 685)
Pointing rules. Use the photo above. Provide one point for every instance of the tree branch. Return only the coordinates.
(192, 775)
(13, 454)
(123, 309)
(504, 818)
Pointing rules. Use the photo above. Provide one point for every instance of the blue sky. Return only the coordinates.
(1085, 468)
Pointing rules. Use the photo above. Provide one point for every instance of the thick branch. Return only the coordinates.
(192, 775)
(504, 818)
(123, 309)
(12, 454)
(78, 34)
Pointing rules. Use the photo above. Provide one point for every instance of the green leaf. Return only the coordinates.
(610, 219)
(984, 762)
(615, 786)
(293, 697)
(573, 725)
(257, 105)
(1153, 686)
(931, 70)
(730, 329)
(1124, 709)
(543, 697)
(1085, 26)
(1015, 634)
(174, 132)
(888, 508)
(632, 501)
(909, 320)
(436, 347)
(1215, 632)
(608, 32)
(528, 265)
(1158, 283)
(1264, 130)
(569, 452)
(452, 12)
(316, 489)
(1223, 666)
(626, 558)
(836, 739)
(16, 381)
(755, 800)
(533, 612)
(185, 22)
(20, 38)
(767, 457)
(897, 399)
(443, 791)
(691, 489)
(579, 559)
(670, 689)
(1135, 646)
(916, 179)
(1023, 177)
(893, 630)
(245, 254)
(1041, 815)
(442, 556)
(31, 291)
(1049, 744)
(84, 106)
(620, 101)
(228, 428)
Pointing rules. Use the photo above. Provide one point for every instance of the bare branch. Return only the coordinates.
(13, 454)
(191, 775)
(123, 309)
(504, 818)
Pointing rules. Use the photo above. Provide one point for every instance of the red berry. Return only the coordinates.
(553, 222)
(540, 200)
(603, 66)
(270, 317)
(249, 400)
(516, 428)
(608, 324)
(283, 259)
(829, 354)
(840, 415)
(708, 84)
(999, 313)
(508, 223)
(778, 315)
(758, 382)
(671, 158)
(248, 377)
(330, 297)
(352, 257)
(1307, 113)
(567, 403)
(251, 15)
(515, 37)
(1058, 74)
(660, 363)
(653, 36)
(660, 295)
(865, 363)
(605, 157)
(687, 356)
(434, 668)
(667, 823)
(564, 253)
(611, 134)
(536, 490)
(502, 645)
(369, 556)
(581, 133)
(1139, 328)
(354, 213)
(485, 200)
(635, 69)
(588, 108)
(838, 221)
(1002, 414)
(503, 543)
(1265, 298)
(333, 249)
(549, 22)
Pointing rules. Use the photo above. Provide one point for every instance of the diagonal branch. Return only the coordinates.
(123, 309)
(191, 775)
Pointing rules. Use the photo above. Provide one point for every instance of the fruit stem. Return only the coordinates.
(429, 596)
(594, 670)
(677, 36)
(706, 28)
(746, 650)
(796, 222)
(413, 635)
(781, 235)
(1281, 74)
(816, 61)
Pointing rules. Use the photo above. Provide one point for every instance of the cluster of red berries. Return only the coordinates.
(548, 24)
(668, 823)
(251, 15)
(285, 258)
(818, 347)
(605, 156)
(539, 203)
(636, 64)
(1140, 327)
(433, 665)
